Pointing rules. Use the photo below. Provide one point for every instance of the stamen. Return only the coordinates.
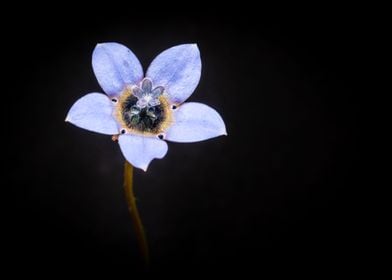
(135, 110)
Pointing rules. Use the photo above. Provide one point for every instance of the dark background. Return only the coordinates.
(276, 193)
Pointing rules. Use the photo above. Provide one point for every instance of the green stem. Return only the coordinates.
(131, 200)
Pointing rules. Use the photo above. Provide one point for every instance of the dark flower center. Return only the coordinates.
(147, 119)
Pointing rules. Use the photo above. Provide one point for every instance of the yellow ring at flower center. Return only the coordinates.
(160, 126)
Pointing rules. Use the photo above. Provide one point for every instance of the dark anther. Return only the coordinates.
(122, 131)
(174, 107)
(114, 100)
(160, 136)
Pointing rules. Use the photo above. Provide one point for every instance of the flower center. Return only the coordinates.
(141, 116)
(144, 110)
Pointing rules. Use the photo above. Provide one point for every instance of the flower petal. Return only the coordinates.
(115, 66)
(195, 122)
(140, 150)
(93, 112)
(177, 69)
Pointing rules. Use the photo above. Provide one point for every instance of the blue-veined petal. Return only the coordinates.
(195, 122)
(115, 66)
(140, 150)
(93, 112)
(177, 69)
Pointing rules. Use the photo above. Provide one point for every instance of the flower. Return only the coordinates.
(141, 112)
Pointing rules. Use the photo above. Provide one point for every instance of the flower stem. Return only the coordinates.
(131, 200)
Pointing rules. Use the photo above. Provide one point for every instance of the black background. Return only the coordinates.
(275, 193)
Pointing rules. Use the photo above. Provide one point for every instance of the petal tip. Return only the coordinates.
(194, 47)
(98, 45)
(101, 44)
(143, 167)
(224, 130)
(221, 133)
(108, 44)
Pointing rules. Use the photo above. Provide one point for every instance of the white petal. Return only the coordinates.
(115, 66)
(140, 151)
(195, 122)
(177, 69)
(93, 112)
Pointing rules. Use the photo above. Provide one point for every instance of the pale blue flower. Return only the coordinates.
(143, 111)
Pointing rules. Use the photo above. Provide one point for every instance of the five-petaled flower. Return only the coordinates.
(143, 111)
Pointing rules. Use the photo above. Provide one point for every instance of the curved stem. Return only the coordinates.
(131, 200)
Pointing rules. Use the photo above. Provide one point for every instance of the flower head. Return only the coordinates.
(145, 111)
